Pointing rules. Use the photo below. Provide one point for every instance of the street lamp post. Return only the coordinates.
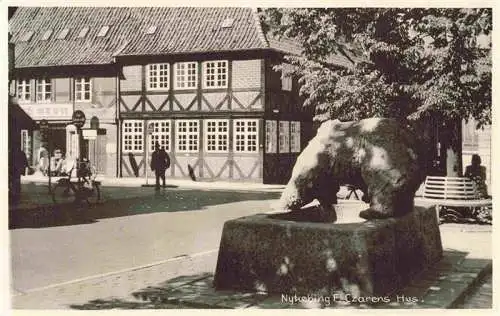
(150, 131)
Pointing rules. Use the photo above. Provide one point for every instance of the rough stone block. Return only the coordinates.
(282, 253)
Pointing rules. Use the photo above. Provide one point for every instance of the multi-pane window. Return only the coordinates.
(284, 133)
(187, 136)
(23, 90)
(295, 137)
(160, 134)
(43, 90)
(271, 136)
(133, 136)
(82, 89)
(158, 76)
(186, 75)
(245, 136)
(216, 135)
(215, 74)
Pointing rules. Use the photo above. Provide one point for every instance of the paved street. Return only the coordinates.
(134, 227)
(137, 237)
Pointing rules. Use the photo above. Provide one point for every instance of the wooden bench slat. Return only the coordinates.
(453, 191)
(452, 197)
(447, 178)
(454, 185)
(441, 189)
(470, 203)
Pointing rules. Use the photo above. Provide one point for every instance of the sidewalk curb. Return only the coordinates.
(485, 272)
(180, 183)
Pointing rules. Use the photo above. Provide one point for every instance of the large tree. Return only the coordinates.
(407, 63)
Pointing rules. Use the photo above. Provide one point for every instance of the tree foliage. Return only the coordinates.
(404, 62)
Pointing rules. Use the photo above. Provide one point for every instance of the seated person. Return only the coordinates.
(477, 173)
(56, 163)
(43, 161)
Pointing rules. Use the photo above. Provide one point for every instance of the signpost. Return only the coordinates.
(150, 130)
(78, 119)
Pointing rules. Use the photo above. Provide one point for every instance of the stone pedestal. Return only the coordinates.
(282, 253)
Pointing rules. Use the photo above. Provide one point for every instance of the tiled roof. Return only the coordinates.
(188, 30)
(70, 50)
(178, 30)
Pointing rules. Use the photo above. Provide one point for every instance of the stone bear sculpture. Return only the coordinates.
(378, 155)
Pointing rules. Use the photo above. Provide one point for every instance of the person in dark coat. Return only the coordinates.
(17, 167)
(160, 162)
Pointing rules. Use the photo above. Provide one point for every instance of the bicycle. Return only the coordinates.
(84, 189)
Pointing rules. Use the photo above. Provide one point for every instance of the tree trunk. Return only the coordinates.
(451, 146)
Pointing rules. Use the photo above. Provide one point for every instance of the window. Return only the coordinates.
(215, 74)
(133, 136)
(284, 137)
(46, 35)
(151, 29)
(82, 89)
(186, 75)
(216, 135)
(63, 34)
(227, 23)
(187, 132)
(158, 76)
(43, 90)
(83, 32)
(271, 136)
(245, 136)
(295, 137)
(286, 77)
(26, 36)
(160, 134)
(286, 83)
(26, 143)
(24, 90)
(103, 31)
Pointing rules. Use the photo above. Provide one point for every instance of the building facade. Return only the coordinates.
(200, 81)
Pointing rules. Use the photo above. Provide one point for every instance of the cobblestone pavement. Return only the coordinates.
(481, 296)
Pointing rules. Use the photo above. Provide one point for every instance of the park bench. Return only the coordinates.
(448, 193)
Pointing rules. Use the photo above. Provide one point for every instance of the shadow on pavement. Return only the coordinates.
(197, 291)
(126, 202)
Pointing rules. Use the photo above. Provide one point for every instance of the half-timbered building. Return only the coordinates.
(200, 81)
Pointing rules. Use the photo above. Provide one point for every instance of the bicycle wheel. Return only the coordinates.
(63, 192)
(94, 195)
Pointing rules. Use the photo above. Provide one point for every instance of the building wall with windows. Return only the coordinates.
(203, 77)
(214, 116)
(288, 125)
(206, 113)
(54, 96)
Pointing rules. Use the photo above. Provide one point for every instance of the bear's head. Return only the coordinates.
(309, 174)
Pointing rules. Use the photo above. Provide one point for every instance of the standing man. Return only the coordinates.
(160, 162)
